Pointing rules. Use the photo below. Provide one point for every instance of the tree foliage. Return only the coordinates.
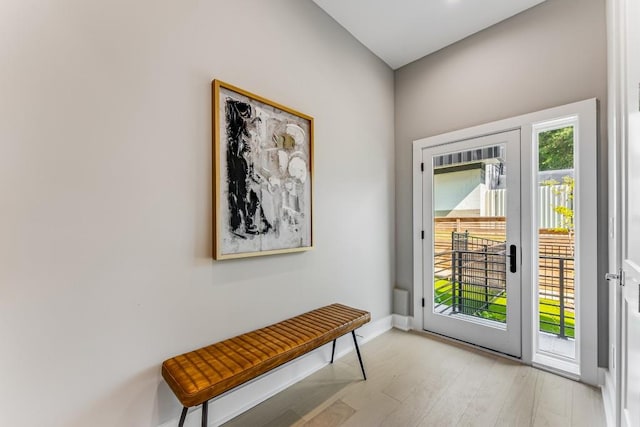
(555, 149)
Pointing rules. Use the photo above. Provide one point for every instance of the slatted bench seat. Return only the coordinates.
(200, 375)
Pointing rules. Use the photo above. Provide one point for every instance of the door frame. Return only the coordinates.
(618, 58)
(623, 64)
(587, 128)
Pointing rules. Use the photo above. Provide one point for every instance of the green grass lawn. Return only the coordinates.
(549, 312)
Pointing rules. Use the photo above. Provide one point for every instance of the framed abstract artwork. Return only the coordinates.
(263, 175)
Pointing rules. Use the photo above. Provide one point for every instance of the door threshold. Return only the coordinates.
(565, 369)
(467, 345)
(557, 366)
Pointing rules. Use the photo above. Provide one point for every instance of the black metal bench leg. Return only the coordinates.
(183, 416)
(359, 357)
(333, 350)
(205, 407)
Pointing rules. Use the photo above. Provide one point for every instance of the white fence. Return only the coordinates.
(549, 197)
(494, 203)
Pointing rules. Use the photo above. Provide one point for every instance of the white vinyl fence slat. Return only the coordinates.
(549, 197)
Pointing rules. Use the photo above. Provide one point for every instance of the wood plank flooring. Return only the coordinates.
(418, 380)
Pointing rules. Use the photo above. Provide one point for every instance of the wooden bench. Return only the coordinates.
(200, 375)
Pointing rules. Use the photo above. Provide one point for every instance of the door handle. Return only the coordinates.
(512, 258)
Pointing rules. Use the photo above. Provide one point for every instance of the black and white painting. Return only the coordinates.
(263, 175)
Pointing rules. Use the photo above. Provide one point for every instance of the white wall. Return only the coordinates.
(550, 55)
(458, 193)
(105, 181)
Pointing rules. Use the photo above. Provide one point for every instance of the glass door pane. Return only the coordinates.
(469, 198)
(556, 239)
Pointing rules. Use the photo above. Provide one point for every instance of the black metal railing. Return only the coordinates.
(557, 295)
(478, 276)
(471, 279)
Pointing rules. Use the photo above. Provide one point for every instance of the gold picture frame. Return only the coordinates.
(263, 175)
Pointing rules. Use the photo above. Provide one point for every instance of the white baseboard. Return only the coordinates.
(402, 322)
(244, 397)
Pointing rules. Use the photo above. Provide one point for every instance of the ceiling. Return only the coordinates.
(401, 31)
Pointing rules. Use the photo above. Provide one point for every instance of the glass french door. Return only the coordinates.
(471, 246)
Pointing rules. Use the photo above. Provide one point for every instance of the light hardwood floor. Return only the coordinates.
(419, 380)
